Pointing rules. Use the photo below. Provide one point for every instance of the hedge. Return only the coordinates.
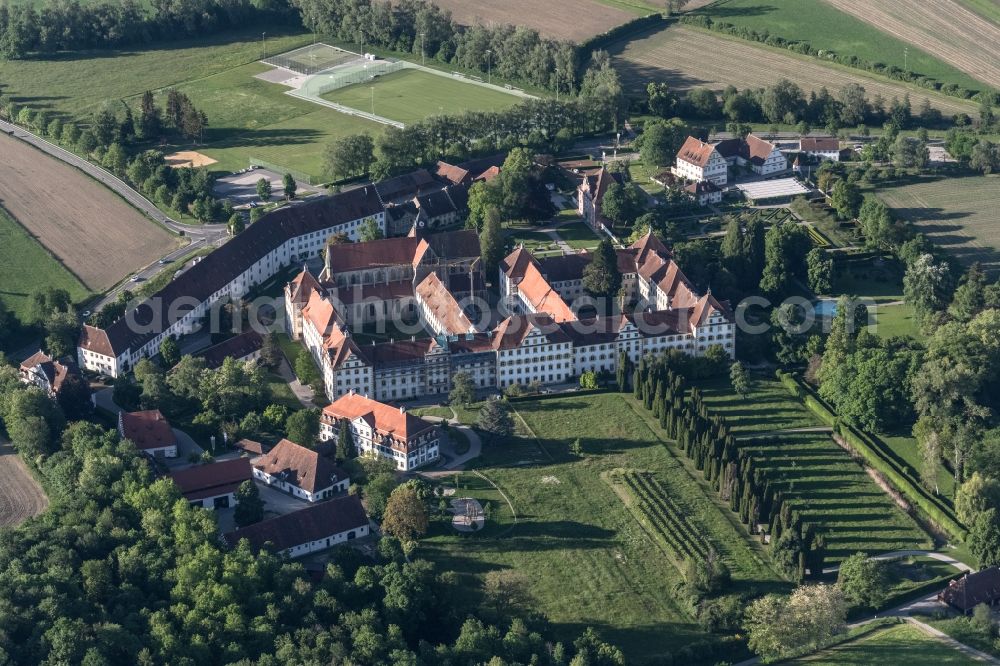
(929, 507)
(602, 40)
(922, 590)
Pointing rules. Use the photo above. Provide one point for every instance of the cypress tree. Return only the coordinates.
(637, 384)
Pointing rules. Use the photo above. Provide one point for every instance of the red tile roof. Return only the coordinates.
(250, 446)
(696, 152)
(348, 257)
(394, 422)
(443, 306)
(304, 526)
(147, 430)
(757, 149)
(300, 466)
(537, 291)
(819, 144)
(302, 287)
(214, 479)
(515, 263)
(513, 330)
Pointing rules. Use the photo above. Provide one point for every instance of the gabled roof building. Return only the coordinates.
(213, 486)
(300, 472)
(383, 430)
(310, 530)
(150, 432)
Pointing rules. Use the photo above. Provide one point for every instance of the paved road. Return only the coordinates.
(200, 235)
(212, 231)
(475, 443)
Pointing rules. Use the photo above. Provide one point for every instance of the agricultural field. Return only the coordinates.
(96, 235)
(25, 266)
(849, 28)
(899, 644)
(957, 213)
(588, 557)
(988, 9)
(572, 20)
(20, 495)
(411, 95)
(833, 491)
(964, 39)
(687, 58)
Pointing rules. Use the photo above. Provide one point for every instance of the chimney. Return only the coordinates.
(402, 410)
(352, 392)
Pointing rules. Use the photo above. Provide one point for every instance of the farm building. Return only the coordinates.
(213, 486)
(313, 529)
(700, 161)
(823, 148)
(300, 472)
(761, 156)
(772, 191)
(149, 431)
(972, 589)
(250, 447)
(383, 430)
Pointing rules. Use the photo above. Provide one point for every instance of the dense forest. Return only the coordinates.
(122, 570)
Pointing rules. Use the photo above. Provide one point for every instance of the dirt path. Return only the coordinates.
(20, 495)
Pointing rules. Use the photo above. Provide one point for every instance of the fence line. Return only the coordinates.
(300, 176)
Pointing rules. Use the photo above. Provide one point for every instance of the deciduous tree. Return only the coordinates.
(405, 515)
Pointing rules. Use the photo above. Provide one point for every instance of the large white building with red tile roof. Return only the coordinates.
(700, 161)
(539, 338)
(382, 430)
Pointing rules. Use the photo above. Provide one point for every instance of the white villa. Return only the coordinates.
(300, 472)
(700, 161)
(382, 430)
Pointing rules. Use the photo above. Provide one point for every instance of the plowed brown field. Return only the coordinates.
(686, 58)
(943, 28)
(573, 20)
(20, 495)
(88, 228)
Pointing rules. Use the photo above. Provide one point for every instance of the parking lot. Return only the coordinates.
(241, 188)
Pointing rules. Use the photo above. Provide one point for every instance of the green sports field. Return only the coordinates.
(827, 28)
(411, 95)
(26, 266)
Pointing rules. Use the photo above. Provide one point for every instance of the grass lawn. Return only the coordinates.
(533, 241)
(827, 28)
(411, 95)
(882, 282)
(896, 320)
(834, 494)
(957, 213)
(985, 8)
(440, 412)
(767, 407)
(962, 630)
(26, 266)
(290, 348)
(832, 490)
(588, 560)
(76, 84)
(900, 644)
(906, 448)
(579, 236)
(281, 393)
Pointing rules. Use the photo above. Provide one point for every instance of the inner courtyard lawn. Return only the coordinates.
(411, 95)
(588, 560)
